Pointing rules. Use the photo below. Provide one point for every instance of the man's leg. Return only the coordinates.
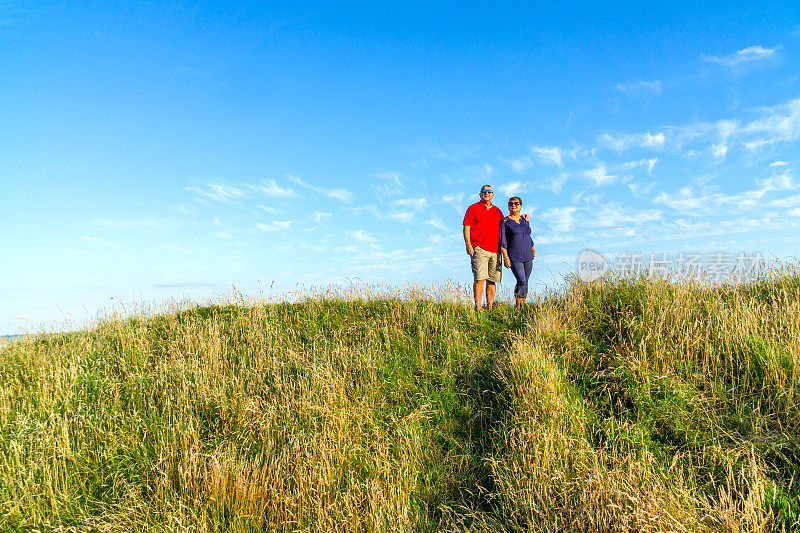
(494, 275)
(477, 289)
(480, 271)
(490, 286)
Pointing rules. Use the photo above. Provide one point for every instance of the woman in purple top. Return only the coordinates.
(517, 248)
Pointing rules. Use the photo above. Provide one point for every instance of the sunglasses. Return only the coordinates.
(514, 203)
(486, 191)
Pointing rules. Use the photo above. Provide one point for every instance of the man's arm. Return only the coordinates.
(467, 241)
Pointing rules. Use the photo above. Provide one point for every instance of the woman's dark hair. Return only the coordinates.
(517, 198)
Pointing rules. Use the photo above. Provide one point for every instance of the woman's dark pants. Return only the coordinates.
(522, 271)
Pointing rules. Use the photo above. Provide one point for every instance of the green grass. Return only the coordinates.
(628, 406)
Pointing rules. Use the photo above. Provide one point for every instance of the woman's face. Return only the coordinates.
(514, 206)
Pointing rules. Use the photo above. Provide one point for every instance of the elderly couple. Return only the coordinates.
(488, 234)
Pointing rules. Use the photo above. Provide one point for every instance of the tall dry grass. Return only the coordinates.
(621, 406)
(648, 406)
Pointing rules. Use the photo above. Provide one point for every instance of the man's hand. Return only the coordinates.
(507, 262)
(468, 241)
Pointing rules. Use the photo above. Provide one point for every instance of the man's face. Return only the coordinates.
(486, 194)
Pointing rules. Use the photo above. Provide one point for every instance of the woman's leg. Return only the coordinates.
(518, 269)
(528, 267)
(522, 272)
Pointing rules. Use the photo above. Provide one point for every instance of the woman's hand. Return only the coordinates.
(507, 262)
(526, 217)
(534, 251)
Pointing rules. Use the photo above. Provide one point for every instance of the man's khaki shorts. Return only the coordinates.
(486, 265)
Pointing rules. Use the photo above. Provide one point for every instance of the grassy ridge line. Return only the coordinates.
(648, 406)
(316, 416)
(632, 406)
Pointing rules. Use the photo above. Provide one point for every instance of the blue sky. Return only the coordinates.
(157, 150)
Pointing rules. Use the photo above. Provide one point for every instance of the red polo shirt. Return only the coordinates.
(484, 226)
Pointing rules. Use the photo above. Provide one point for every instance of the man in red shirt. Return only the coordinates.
(482, 237)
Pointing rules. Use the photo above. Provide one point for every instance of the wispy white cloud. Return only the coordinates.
(778, 182)
(615, 215)
(555, 183)
(707, 200)
(404, 216)
(521, 164)
(342, 195)
(370, 208)
(647, 164)
(270, 210)
(556, 259)
(559, 218)
(621, 143)
(391, 177)
(688, 201)
(221, 192)
(454, 199)
(361, 236)
(270, 187)
(682, 136)
(755, 144)
(725, 129)
(746, 55)
(223, 235)
(319, 216)
(390, 185)
(275, 226)
(479, 172)
(639, 189)
(587, 199)
(437, 223)
(599, 175)
(556, 238)
(640, 87)
(549, 154)
(414, 204)
(719, 150)
(777, 123)
(512, 188)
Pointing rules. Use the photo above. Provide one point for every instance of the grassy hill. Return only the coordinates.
(629, 406)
